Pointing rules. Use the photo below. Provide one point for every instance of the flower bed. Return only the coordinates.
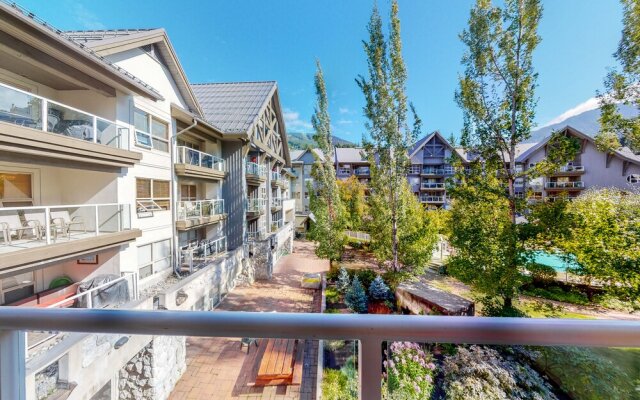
(409, 372)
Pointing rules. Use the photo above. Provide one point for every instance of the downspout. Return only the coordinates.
(174, 195)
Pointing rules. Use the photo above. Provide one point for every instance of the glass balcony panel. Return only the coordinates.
(20, 108)
(69, 122)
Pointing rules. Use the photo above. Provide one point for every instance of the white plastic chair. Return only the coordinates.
(63, 220)
(10, 224)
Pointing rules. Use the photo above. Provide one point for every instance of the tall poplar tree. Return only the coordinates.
(390, 135)
(623, 87)
(325, 203)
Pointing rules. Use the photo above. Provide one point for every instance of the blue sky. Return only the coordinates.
(280, 40)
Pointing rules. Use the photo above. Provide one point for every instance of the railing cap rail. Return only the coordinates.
(62, 206)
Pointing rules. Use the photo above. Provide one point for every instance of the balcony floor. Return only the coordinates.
(218, 369)
(31, 243)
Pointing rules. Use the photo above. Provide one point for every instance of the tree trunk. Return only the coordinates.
(395, 242)
(508, 302)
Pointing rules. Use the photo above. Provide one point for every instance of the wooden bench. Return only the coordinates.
(281, 363)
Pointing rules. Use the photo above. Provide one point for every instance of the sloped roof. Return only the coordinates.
(233, 107)
(351, 155)
(624, 153)
(69, 41)
(295, 154)
(113, 41)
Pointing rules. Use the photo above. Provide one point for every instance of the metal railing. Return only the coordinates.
(432, 185)
(344, 171)
(571, 168)
(363, 171)
(432, 199)
(197, 256)
(86, 298)
(277, 224)
(256, 205)
(414, 170)
(27, 109)
(256, 169)
(199, 209)
(198, 158)
(276, 202)
(277, 178)
(370, 330)
(257, 234)
(564, 185)
(358, 235)
(47, 224)
(438, 171)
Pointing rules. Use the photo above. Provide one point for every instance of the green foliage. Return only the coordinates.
(558, 294)
(390, 137)
(378, 289)
(409, 372)
(324, 202)
(365, 276)
(352, 195)
(604, 237)
(585, 374)
(622, 87)
(344, 281)
(394, 278)
(493, 307)
(332, 295)
(541, 274)
(336, 386)
(356, 298)
(481, 373)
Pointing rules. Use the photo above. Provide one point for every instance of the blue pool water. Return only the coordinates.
(554, 261)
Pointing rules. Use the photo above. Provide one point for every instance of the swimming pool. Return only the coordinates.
(554, 261)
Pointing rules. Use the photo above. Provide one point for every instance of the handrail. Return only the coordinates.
(61, 206)
(198, 208)
(216, 163)
(131, 275)
(256, 169)
(564, 185)
(371, 330)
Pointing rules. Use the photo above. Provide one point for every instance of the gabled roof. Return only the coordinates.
(351, 155)
(234, 107)
(88, 55)
(420, 143)
(107, 42)
(296, 155)
(623, 153)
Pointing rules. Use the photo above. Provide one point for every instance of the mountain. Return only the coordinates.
(586, 122)
(300, 141)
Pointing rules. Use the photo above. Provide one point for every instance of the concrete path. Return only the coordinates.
(220, 369)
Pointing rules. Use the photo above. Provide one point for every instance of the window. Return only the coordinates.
(188, 192)
(633, 178)
(151, 132)
(153, 258)
(17, 287)
(153, 190)
(15, 189)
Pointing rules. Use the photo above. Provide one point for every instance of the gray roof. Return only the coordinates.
(295, 154)
(351, 155)
(92, 36)
(233, 107)
(71, 42)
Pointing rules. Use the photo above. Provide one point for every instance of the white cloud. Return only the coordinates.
(345, 122)
(86, 18)
(344, 110)
(588, 105)
(292, 120)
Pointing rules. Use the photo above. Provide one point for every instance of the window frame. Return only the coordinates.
(154, 199)
(16, 199)
(148, 143)
(152, 263)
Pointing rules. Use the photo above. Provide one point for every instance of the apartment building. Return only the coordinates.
(590, 168)
(302, 162)
(118, 188)
(352, 162)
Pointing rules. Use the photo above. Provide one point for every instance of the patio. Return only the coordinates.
(221, 369)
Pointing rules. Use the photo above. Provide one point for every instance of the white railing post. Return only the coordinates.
(95, 129)
(12, 365)
(44, 111)
(47, 225)
(370, 369)
(89, 299)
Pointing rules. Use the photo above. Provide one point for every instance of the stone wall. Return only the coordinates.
(153, 372)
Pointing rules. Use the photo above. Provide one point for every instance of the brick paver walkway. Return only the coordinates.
(219, 369)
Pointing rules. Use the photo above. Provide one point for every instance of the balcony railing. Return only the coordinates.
(432, 185)
(256, 169)
(414, 170)
(344, 171)
(564, 185)
(198, 158)
(276, 202)
(366, 171)
(199, 209)
(198, 255)
(28, 227)
(257, 234)
(432, 199)
(277, 178)
(256, 205)
(438, 171)
(26, 109)
(571, 168)
(275, 225)
(370, 330)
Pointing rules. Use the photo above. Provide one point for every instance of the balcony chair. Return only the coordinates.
(10, 224)
(64, 222)
(38, 220)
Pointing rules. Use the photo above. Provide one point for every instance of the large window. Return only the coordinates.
(16, 189)
(153, 258)
(151, 132)
(153, 191)
(188, 192)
